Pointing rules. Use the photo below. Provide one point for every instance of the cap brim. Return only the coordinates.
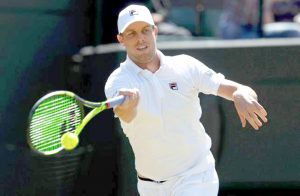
(133, 21)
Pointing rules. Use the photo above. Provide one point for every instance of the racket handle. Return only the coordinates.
(110, 103)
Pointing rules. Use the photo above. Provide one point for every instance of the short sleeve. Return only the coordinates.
(204, 79)
(115, 82)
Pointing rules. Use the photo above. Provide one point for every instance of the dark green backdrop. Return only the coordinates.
(37, 40)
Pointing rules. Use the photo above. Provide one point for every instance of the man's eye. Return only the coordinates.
(130, 34)
(147, 30)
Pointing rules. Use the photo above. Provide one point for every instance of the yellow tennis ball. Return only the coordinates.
(69, 141)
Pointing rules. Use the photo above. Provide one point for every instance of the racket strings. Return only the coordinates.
(51, 119)
(41, 122)
(52, 110)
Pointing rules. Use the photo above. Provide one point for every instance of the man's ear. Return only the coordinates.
(120, 39)
(155, 30)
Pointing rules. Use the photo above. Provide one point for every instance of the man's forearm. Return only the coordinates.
(127, 115)
(228, 89)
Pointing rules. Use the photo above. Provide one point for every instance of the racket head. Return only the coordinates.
(51, 116)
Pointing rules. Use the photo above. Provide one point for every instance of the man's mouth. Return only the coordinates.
(140, 48)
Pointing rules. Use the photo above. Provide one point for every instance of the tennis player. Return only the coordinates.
(161, 113)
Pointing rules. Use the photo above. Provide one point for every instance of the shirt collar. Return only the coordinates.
(136, 69)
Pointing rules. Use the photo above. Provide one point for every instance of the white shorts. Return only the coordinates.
(204, 183)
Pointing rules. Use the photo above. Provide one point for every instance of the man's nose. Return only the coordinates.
(140, 36)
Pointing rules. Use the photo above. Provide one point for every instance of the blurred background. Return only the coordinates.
(71, 45)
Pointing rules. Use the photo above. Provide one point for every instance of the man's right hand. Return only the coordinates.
(128, 109)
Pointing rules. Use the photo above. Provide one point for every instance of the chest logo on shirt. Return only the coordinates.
(173, 86)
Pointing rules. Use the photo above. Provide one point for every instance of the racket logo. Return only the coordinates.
(69, 125)
(173, 86)
(133, 12)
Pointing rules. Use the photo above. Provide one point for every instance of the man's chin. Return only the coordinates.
(145, 58)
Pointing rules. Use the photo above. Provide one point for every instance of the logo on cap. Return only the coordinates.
(133, 12)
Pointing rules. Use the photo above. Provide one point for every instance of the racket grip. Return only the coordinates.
(110, 103)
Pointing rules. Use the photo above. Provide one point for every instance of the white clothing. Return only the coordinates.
(166, 135)
(195, 183)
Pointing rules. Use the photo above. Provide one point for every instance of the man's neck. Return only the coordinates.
(152, 66)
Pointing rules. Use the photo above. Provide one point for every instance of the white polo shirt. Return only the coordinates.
(166, 135)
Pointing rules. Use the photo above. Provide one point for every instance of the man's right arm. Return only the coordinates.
(128, 109)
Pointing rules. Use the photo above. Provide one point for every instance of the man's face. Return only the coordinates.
(139, 39)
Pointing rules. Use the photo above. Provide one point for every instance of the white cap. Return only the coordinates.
(133, 13)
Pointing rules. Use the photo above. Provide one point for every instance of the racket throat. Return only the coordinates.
(88, 117)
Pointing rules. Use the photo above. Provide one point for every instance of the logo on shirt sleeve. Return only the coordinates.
(173, 86)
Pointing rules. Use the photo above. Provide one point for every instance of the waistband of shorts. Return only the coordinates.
(150, 180)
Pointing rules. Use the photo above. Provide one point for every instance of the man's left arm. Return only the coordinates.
(245, 102)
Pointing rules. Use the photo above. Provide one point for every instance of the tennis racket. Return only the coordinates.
(58, 118)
